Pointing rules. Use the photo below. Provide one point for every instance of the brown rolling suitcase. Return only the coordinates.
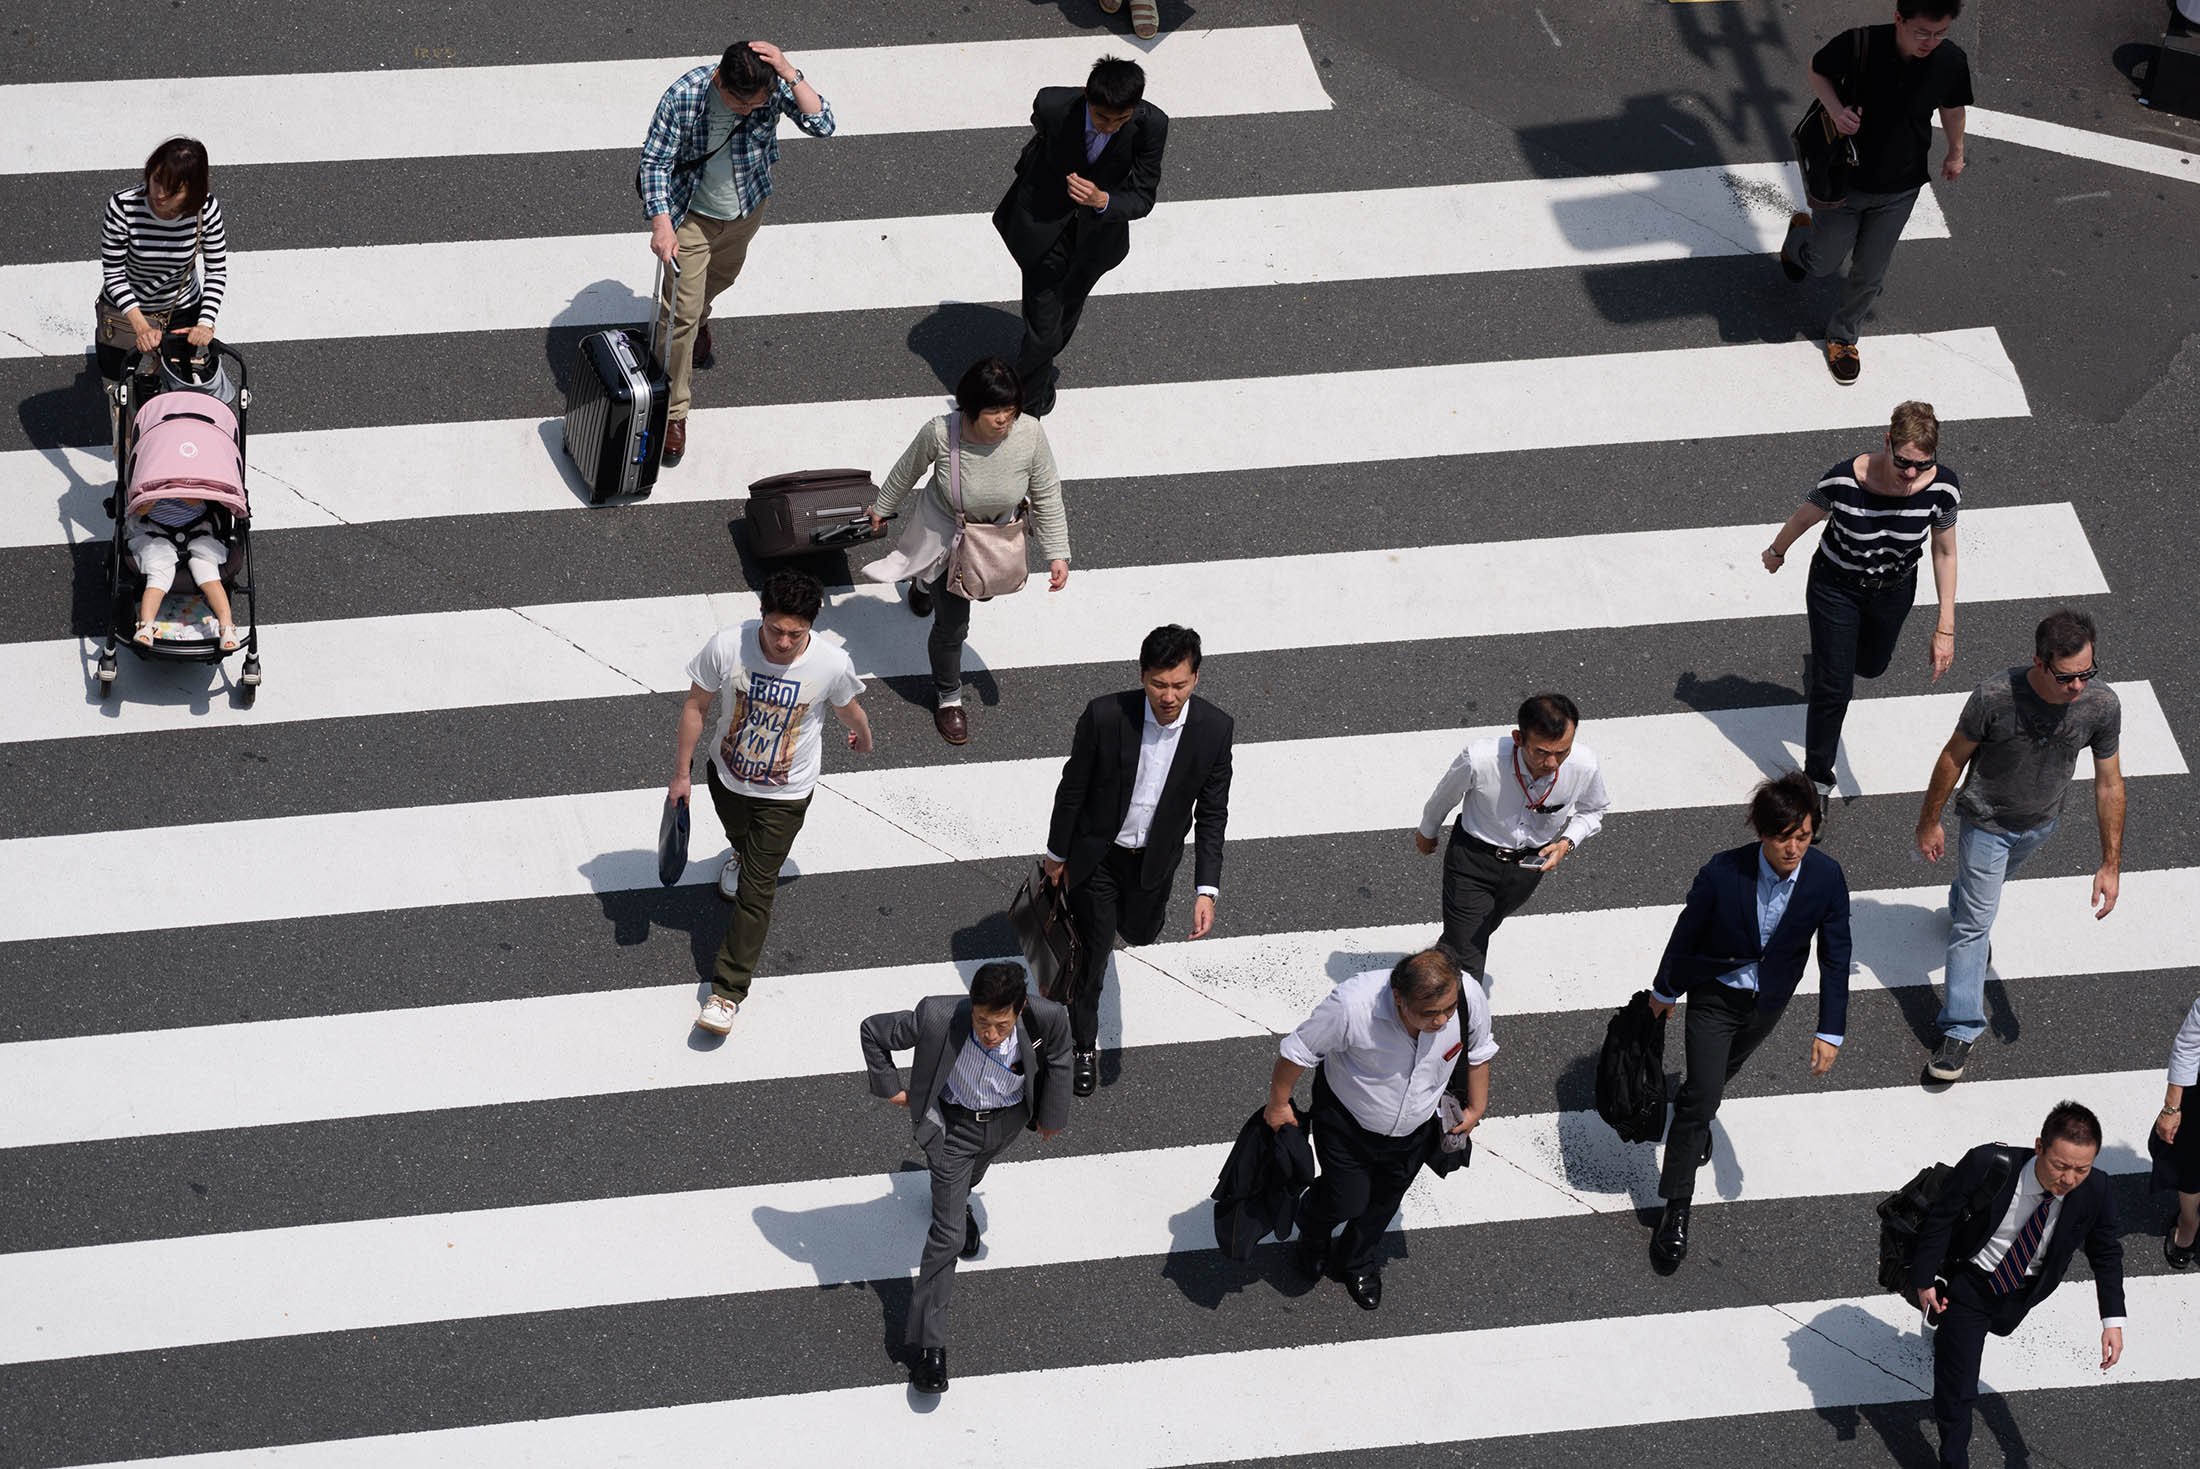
(810, 510)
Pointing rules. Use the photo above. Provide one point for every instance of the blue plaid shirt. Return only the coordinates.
(681, 132)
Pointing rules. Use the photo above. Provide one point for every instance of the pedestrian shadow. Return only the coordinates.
(1863, 1372)
(635, 904)
(72, 416)
(1087, 15)
(1206, 1277)
(958, 333)
(600, 304)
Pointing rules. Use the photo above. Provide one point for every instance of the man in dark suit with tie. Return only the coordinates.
(1145, 767)
(1737, 952)
(987, 1066)
(1092, 165)
(1983, 1271)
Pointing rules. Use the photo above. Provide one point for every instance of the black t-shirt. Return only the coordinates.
(1898, 96)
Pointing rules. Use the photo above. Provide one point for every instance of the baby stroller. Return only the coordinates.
(179, 426)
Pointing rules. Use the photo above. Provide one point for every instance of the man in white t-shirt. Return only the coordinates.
(765, 758)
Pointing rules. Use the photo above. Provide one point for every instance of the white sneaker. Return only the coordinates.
(729, 877)
(717, 1016)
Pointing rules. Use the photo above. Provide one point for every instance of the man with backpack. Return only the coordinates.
(1983, 1270)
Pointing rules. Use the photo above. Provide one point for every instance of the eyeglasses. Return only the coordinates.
(1915, 466)
(2071, 678)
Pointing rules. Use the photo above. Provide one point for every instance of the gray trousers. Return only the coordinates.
(959, 1161)
(1861, 230)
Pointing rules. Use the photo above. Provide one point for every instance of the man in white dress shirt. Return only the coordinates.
(1526, 801)
(1382, 1047)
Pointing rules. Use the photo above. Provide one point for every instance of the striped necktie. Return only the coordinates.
(2009, 1274)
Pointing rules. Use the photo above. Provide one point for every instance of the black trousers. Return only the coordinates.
(1725, 1027)
(1364, 1176)
(1853, 630)
(950, 629)
(1958, 1343)
(1055, 289)
(1480, 892)
(1110, 902)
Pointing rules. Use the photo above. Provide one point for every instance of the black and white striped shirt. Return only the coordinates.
(1881, 535)
(146, 260)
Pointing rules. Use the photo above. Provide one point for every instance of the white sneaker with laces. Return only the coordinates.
(729, 877)
(717, 1016)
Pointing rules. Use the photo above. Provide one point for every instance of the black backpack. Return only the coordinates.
(1902, 1215)
(1631, 1072)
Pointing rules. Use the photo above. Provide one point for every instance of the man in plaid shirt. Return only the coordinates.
(706, 171)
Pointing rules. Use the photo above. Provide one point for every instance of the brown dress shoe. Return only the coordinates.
(676, 440)
(1843, 363)
(952, 723)
(704, 357)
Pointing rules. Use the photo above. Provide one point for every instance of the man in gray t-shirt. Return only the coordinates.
(2020, 734)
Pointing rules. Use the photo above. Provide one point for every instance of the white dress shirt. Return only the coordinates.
(2021, 1204)
(983, 1079)
(1502, 804)
(1387, 1076)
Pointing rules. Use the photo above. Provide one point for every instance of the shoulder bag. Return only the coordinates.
(1826, 155)
(986, 560)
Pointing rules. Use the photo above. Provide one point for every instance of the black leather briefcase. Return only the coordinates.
(1047, 934)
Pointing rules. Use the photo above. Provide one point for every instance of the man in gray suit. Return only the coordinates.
(986, 1067)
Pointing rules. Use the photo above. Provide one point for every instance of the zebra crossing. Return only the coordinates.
(356, 1120)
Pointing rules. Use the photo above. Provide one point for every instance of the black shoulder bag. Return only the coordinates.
(1826, 154)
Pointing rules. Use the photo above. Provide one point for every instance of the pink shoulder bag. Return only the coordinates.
(986, 560)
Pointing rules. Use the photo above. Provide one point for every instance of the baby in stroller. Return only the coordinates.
(153, 539)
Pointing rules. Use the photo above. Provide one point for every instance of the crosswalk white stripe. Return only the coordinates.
(880, 264)
(435, 111)
(583, 650)
(549, 846)
(407, 471)
(151, 1295)
(2054, 137)
(1281, 1402)
(315, 1068)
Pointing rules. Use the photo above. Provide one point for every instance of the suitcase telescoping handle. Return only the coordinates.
(661, 309)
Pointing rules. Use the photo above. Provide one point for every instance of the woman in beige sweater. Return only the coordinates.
(1006, 464)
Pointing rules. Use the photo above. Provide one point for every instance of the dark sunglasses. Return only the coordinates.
(1915, 466)
(2071, 678)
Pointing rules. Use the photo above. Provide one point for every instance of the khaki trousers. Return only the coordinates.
(711, 254)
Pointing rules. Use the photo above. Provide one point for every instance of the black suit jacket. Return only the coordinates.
(1095, 791)
(1037, 209)
(936, 1030)
(2088, 1217)
(1717, 934)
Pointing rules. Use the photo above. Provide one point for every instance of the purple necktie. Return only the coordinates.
(2010, 1273)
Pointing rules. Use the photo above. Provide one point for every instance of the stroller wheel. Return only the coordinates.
(250, 678)
(246, 695)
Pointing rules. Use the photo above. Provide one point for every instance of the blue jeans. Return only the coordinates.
(1984, 861)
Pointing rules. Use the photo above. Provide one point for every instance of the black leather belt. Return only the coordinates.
(977, 1114)
(1512, 856)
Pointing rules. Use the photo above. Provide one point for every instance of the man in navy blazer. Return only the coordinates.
(1984, 1271)
(1091, 166)
(1737, 952)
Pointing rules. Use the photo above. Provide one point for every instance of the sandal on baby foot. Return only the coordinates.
(143, 637)
(232, 639)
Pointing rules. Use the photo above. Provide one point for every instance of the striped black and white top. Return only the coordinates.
(147, 260)
(1881, 535)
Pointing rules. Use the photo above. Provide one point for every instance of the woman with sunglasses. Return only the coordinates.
(1881, 509)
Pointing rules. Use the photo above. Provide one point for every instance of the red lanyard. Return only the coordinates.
(1527, 796)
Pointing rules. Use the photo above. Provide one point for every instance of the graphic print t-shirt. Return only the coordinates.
(770, 740)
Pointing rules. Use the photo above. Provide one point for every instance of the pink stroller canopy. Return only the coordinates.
(187, 450)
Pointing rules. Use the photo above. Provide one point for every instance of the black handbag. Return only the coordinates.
(1826, 155)
(672, 842)
(1047, 934)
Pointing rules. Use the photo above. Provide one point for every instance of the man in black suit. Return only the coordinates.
(1982, 1271)
(1737, 952)
(1145, 767)
(1092, 165)
(987, 1067)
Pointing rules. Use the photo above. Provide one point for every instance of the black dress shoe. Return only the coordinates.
(929, 1375)
(1084, 1073)
(1311, 1256)
(1825, 809)
(970, 1234)
(1669, 1244)
(1366, 1290)
(1705, 1156)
